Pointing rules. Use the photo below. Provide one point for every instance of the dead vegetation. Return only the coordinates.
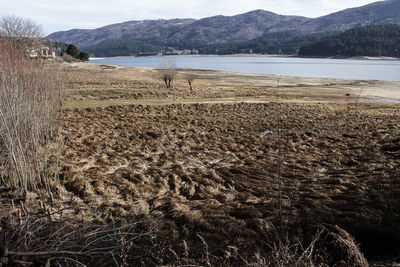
(44, 241)
(189, 76)
(196, 184)
(90, 85)
(30, 96)
(205, 169)
(167, 71)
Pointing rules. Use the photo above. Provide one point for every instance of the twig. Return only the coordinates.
(311, 246)
(44, 253)
(206, 247)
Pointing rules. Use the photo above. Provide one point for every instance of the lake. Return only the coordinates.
(354, 69)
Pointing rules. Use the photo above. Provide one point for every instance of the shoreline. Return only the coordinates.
(246, 73)
(305, 89)
(287, 65)
(260, 55)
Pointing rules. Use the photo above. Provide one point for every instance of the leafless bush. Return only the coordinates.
(286, 252)
(189, 78)
(30, 96)
(168, 71)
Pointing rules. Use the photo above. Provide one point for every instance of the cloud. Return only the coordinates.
(67, 14)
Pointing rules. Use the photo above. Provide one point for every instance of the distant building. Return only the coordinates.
(247, 51)
(43, 52)
(173, 51)
(32, 53)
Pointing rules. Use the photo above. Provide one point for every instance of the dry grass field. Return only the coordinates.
(229, 168)
(104, 85)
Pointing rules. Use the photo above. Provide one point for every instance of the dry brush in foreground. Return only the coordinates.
(30, 96)
(196, 185)
(206, 170)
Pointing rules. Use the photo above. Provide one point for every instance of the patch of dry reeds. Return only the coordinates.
(39, 240)
(30, 96)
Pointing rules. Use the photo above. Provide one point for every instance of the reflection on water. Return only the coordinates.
(388, 70)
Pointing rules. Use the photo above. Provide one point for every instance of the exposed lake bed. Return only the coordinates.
(205, 162)
(210, 85)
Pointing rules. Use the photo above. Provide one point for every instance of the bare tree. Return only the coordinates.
(189, 78)
(20, 30)
(168, 71)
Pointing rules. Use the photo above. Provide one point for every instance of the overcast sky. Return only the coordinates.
(57, 15)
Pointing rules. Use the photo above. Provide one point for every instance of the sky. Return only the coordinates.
(60, 15)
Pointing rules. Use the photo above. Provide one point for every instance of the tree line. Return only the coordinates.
(274, 43)
(375, 40)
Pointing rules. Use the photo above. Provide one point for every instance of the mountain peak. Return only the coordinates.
(382, 12)
(191, 33)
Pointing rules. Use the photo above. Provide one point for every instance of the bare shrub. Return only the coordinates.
(168, 71)
(30, 95)
(189, 78)
(285, 251)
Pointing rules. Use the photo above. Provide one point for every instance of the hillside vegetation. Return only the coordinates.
(376, 40)
(256, 31)
(274, 43)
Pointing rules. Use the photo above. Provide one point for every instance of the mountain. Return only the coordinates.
(217, 29)
(121, 31)
(219, 33)
(383, 12)
(243, 27)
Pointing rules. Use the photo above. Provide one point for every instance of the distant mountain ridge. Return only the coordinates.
(383, 12)
(216, 29)
(133, 37)
(243, 27)
(126, 30)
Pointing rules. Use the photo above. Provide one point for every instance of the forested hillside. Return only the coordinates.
(258, 31)
(376, 40)
(274, 43)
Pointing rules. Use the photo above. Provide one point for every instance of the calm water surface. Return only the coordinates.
(387, 70)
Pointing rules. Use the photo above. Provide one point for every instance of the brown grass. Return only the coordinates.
(103, 84)
(201, 176)
(205, 169)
